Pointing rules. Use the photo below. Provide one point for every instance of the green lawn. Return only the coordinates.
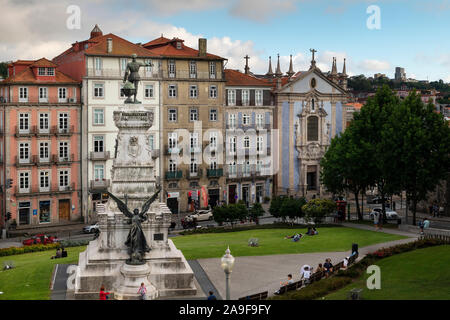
(419, 274)
(30, 279)
(271, 241)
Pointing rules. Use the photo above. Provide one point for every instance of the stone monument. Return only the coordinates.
(133, 247)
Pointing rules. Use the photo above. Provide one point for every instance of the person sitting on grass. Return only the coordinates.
(58, 254)
(285, 283)
(312, 231)
(297, 237)
(293, 236)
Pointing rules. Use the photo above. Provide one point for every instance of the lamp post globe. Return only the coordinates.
(227, 263)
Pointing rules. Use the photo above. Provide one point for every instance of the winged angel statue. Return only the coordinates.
(136, 242)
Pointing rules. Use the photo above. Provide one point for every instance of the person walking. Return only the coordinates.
(142, 292)
(211, 296)
(103, 295)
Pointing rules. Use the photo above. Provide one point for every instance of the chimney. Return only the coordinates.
(109, 46)
(202, 47)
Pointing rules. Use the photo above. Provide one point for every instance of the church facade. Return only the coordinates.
(309, 113)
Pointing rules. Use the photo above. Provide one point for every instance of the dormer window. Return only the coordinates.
(50, 71)
(179, 45)
(41, 71)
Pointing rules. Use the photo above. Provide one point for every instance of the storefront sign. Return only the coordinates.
(173, 195)
(34, 212)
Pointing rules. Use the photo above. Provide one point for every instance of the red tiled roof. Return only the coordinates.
(166, 48)
(120, 47)
(355, 105)
(27, 75)
(237, 78)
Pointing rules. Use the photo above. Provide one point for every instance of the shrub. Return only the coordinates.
(317, 209)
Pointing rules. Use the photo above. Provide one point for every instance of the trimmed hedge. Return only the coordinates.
(343, 277)
(40, 247)
(252, 227)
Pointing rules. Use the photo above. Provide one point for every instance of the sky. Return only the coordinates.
(413, 34)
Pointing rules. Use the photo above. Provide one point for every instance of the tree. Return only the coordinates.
(3, 70)
(317, 209)
(256, 211)
(275, 205)
(292, 208)
(220, 214)
(421, 140)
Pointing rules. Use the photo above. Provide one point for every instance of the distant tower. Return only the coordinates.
(278, 72)
(334, 75)
(400, 74)
(270, 72)
(96, 32)
(247, 68)
(291, 72)
(344, 76)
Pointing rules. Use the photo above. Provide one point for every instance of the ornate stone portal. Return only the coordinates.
(164, 270)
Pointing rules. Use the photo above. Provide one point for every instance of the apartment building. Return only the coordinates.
(40, 144)
(192, 99)
(249, 129)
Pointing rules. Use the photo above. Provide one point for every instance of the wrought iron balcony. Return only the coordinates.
(174, 175)
(214, 173)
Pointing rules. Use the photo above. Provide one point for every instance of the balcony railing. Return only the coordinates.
(63, 160)
(214, 173)
(25, 132)
(37, 189)
(185, 74)
(100, 184)
(244, 171)
(174, 175)
(30, 161)
(194, 175)
(63, 131)
(117, 73)
(102, 155)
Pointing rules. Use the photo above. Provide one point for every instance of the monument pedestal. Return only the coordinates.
(132, 277)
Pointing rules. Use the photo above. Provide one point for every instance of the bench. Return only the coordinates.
(257, 296)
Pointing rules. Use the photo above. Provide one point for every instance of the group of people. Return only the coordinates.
(60, 253)
(424, 225)
(142, 291)
(295, 237)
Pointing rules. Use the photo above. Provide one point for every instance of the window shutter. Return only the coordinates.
(239, 97)
(267, 116)
(252, 98)
(239, 120)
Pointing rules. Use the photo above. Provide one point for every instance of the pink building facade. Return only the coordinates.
(40, 145)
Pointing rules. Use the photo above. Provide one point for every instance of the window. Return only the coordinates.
(63, 122)
(151, 142)
(259, 164)
(172, 69)
(193, 166)
(172, 115)
(44, 122)
(232, 120)
(63, 151)
(24, 122)
(99, 171)
(213, 139)
(24, 181)
(44, 210)
(231, 97)
(193, 141)
(44, 151)
(213, 115)
(259, 120)
(62, 94)
(213, 92)
(50, 71)
(149, 66)
(258, 97)
(123, 64)
(24, 152)
(98, 90)
(99, 144)
(64, 178)
(247, 168)
(212, 69)
(213, 165)
(173, 140)
(193, 115)
(43, 95)
(192, 69)
(41, 71)
(44, 180)
(313, 128)
(148, 91)
(313, 107)
(232, 168)
(245, 97)
(245, 119)
(232, 145)
(98, 65)
(193, 92)
(259, 144)
(246, 142)
(172, 165)
(99, 117)
(23, 94)
(179, 45)
(172, 91)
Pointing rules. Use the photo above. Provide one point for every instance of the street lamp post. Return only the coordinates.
(227, 263)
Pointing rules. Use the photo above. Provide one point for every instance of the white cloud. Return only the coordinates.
(374, 65)
(261, 10)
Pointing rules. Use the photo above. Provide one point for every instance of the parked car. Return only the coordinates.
(379, 200)
(390, 214)
(92, 228)
(202, 215)
(40, 239)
